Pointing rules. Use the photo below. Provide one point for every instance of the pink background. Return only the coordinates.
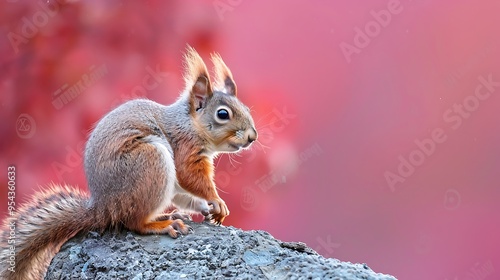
(331, 125)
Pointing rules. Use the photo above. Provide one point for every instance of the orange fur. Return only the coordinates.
(194, 171)
(164, 226)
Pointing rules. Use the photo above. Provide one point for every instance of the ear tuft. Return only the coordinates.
(196, 79)
(223, 76)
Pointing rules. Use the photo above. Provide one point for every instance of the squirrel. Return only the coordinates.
(140, 159)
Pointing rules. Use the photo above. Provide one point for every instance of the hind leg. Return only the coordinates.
(171, 227)
(147, 175)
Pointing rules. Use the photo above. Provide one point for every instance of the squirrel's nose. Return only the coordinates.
(251, 135)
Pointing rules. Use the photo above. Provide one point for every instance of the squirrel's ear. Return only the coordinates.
(197, 80)
(223, 77)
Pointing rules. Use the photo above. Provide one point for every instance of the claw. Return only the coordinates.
(219, 210)
(178, 227)
(172, 232)
(215, 207)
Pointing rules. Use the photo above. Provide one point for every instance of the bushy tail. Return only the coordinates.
(31, 237)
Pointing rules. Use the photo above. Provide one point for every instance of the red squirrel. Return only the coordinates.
(141, 158)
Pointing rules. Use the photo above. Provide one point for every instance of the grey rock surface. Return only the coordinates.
(210, 252)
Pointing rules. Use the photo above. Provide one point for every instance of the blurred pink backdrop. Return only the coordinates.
(379, 120)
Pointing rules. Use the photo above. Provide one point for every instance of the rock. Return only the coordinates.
(214, 252)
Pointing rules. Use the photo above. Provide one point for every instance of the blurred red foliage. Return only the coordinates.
(330, 127)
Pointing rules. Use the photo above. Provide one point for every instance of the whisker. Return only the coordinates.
(266, 133)
(221, 190)
(264, 116)
(230, 160)
(234, 160)
(218, 161)
(266, 125)
(239, 154)
(264, 147)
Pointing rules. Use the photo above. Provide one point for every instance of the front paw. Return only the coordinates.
(218, 211)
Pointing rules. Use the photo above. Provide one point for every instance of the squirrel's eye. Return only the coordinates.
(223, 114)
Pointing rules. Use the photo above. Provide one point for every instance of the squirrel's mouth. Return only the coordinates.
(236, 147)
(246, 145)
